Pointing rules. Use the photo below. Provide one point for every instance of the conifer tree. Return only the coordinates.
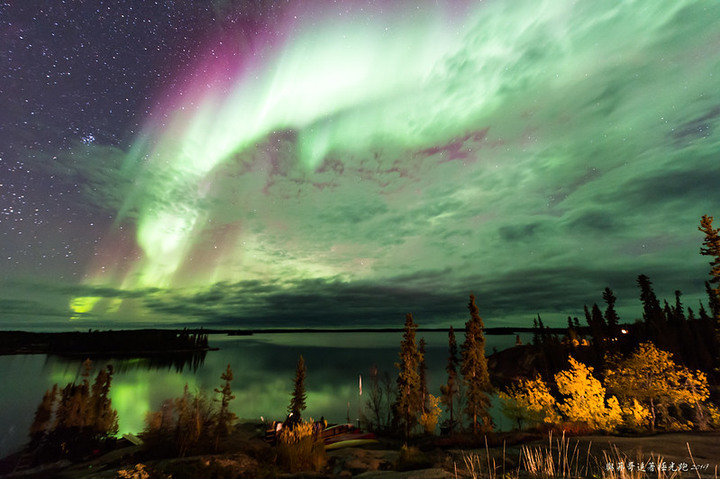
(713, 300)
(572, 335)
(543, 331)
(702, 312)
(408, 405)
(43, 415)
(224, 417)
(711, 247)
(611, 317)
(668, 311)
(422, 370)
(474, 370)
(678, 310)
(652, 312)
(451, 389)
(297, 402)
(102, 418)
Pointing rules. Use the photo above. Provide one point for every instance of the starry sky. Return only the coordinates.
(312, 163)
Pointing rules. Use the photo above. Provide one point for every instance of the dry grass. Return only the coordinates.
(478, 466)
(620, 466)
(559, 458)
(298, 449)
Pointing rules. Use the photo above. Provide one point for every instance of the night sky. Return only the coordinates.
(313, 163)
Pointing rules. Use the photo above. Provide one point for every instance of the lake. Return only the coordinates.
(263, 366)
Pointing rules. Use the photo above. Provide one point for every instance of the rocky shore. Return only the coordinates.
(248, 456)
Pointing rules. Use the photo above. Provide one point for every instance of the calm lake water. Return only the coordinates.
(264, 369)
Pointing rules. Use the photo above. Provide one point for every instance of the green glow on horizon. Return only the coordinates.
(82, 305)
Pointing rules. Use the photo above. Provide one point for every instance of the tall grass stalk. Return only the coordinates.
(556, 460)
(474, 464)
(630, 469)
(560, 459)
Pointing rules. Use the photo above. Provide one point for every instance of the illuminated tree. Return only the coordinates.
(585, 398)
(529, 402)
(474, 370)
(408, 405)
(430, 416)
(224, 417)
(43, 415)
(73, 420)
(422, 371)
(101, 415)
(297, 402)
(711, 247)
(451, 389)
(194, 420)
(651, 377)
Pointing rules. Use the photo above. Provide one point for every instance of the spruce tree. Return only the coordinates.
(543, 331)
(678, 310)
(668, 311)
(451, 389)
(422, 370)
(43, 416)
(224, 417)
(652, 312)
(408, 405)
(713, 300)
(104, 417)
(297, 402)
(474, 370)
(711, 247)
(597, 330)
(611, 317)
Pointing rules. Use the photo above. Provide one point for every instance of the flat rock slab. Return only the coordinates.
(358, 460)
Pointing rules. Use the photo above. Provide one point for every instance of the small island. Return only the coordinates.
(123, 343)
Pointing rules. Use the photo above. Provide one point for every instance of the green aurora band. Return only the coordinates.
(363, 146)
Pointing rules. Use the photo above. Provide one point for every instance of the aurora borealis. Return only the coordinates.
(245, 164)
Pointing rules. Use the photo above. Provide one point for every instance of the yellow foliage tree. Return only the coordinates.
(651, 377)
(635, 415)
(430, 417)
(585, 398)
(529, 401)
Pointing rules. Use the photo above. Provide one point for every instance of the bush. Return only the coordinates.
(298, 449)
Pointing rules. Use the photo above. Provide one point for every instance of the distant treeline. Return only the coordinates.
(141, 342)
(491, 331)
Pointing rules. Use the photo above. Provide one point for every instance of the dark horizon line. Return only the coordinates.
(499, 330)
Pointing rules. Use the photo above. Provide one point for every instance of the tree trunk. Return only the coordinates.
(652, 414)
